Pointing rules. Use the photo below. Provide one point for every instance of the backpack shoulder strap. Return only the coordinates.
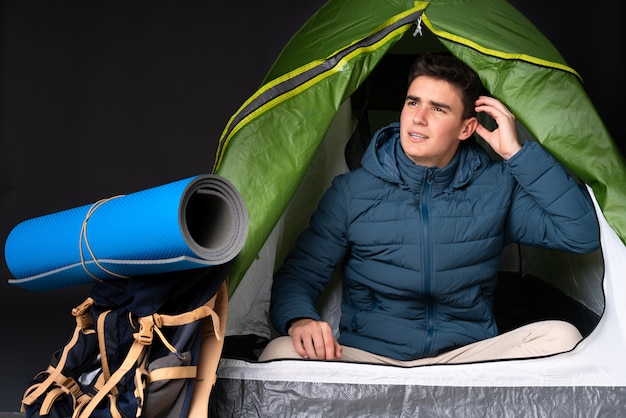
(213, 333)
(135, 353)
(55, 376)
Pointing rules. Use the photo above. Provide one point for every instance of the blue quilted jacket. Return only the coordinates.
(420, 247)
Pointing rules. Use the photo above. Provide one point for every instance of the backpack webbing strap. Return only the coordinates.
(115, 413)
(83, 320)
(50, 398)
(161, 320)
(178, 372)
(135, 352)
(213, 331)
(104, 357)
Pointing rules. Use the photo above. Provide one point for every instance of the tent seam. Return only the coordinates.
(334, 63)
(493, 52)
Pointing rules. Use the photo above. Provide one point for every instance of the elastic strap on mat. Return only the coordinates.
(210, 353)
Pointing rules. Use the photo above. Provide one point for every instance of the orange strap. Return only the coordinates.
(210, 353)
(213, 322)
(83, 319)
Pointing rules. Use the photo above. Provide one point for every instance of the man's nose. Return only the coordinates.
(419, 116)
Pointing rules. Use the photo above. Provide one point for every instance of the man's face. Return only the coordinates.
(431, 123)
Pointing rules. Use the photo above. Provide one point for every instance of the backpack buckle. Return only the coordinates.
(81, 313)
(146, 327)
(82, 308)
(72, 386)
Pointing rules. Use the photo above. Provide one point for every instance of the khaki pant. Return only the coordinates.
(532, 340)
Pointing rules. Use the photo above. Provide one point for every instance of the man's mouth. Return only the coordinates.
(417, 137)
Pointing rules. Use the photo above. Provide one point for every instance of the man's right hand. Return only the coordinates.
(314, 340)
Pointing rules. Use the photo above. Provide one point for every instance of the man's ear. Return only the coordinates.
(469, 127)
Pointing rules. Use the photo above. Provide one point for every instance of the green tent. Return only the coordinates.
(267, 145)
(338, 78)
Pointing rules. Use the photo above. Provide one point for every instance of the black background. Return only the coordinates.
(105, 98)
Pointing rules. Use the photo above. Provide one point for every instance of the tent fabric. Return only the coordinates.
(264, 398)
(299, 115)
(290, 136)
(191, 223)
(347, 39)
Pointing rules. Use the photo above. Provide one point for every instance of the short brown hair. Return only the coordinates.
(451, 69)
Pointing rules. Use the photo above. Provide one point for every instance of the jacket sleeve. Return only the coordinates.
(318, 250)
(550, 209)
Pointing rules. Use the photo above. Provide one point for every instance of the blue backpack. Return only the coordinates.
(142, 347)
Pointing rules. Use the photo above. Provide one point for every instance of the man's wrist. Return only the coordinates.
(292, 321)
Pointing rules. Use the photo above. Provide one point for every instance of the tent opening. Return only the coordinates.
(534, 284)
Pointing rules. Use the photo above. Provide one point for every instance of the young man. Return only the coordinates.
(419, 230)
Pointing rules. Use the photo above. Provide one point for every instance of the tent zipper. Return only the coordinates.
(274, 90)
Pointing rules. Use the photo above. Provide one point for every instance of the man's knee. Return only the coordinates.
(280, 347)
(567, 333)
(557, 336)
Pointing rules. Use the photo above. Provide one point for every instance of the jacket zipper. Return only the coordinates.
(427, 262)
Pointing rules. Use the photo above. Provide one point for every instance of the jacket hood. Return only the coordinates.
(384, 158)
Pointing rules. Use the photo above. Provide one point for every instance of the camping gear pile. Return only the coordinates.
(149, 336)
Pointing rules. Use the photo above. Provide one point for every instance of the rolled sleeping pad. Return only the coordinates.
(196, 222)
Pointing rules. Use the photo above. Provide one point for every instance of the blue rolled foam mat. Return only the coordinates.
(195, 222)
